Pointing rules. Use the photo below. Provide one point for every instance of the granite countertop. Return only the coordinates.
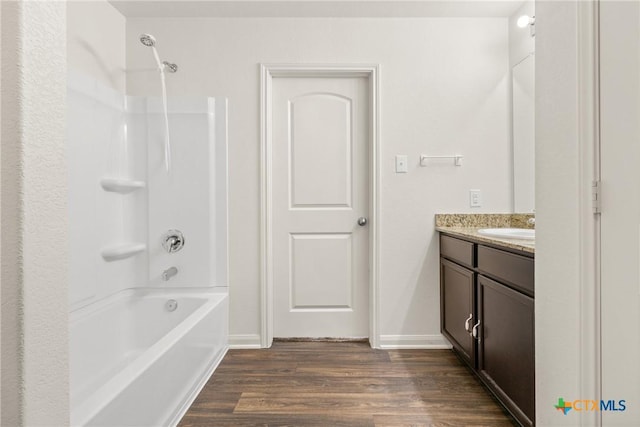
(467, 226)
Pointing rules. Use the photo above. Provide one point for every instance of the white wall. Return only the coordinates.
(95, 41)
(444, 90)
(35, 370)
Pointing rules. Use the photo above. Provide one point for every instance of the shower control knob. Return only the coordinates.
(172, 241)
(362, 221)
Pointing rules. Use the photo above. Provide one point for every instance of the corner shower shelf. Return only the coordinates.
(122, 251)
(122, 186)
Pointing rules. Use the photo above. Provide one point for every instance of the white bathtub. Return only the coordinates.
(134, 363)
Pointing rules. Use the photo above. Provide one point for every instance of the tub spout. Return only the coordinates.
(169, 273)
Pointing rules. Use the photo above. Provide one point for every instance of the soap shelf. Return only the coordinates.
(122, 251)
(123, 186)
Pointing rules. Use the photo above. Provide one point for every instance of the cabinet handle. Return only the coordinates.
(467, 323)
(475, 330)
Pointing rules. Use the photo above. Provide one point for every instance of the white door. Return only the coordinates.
(620, 220)
(320, 188)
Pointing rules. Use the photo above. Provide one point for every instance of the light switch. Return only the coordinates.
(402, 164)
(475, 198)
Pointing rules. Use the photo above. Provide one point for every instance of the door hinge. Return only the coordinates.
(596, 197)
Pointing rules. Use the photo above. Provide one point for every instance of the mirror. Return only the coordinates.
(522, 47)
(523, 80)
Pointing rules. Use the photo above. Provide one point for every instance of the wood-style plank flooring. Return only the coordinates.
(343, 384)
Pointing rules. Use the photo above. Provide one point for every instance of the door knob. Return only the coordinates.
(362, 221)
(467, 325)
(474, 331)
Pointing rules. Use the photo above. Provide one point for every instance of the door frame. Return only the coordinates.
(590, 330)
(267, 73)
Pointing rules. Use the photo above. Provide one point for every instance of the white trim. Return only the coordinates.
(267, 73)
(245, 341)
(430, 342)
(589, 150)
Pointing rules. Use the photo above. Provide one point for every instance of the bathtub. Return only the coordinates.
(134, 362)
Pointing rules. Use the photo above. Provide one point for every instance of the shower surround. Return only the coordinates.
(141, 346)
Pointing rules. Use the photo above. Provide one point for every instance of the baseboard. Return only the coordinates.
(322, 339)
(436, 341)
(244, 341)
(432, 342)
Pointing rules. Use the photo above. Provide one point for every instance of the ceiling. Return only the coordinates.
(316, 8)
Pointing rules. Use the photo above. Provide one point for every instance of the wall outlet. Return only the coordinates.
(402, 164)
(475, 198)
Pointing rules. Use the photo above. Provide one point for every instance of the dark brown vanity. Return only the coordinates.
(487, 313)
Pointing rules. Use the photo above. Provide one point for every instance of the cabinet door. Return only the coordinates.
(456, 307)
(506, 346)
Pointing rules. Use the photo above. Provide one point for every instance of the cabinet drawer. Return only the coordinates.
(457, 250)
(515, 270)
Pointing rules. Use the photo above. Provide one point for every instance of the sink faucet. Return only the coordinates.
(169, 273)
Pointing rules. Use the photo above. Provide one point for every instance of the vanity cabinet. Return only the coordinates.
(487, 313)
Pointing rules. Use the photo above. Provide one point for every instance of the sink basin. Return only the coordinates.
(509, 233)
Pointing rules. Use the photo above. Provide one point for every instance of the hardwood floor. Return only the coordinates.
(328, 384)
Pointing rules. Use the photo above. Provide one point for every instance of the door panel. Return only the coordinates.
(321, 172)
(313, 286)
(620, 218)
(320, 187)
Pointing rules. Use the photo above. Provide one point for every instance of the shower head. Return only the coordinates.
(150, 41)
(147, 40)
(172, 68)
